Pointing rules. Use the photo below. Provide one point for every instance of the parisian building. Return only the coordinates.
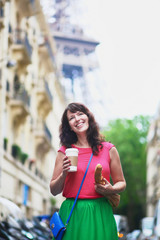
(153, 165)
(31, 104)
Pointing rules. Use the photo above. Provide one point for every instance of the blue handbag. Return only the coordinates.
(57, 226)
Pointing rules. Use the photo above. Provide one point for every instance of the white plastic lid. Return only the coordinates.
(72, 150)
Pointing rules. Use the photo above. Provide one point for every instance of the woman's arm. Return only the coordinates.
(119, 183)
(59, 174)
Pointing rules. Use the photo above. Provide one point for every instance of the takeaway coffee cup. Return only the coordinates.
(72, 154)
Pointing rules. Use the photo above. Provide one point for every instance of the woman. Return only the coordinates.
(92, 217)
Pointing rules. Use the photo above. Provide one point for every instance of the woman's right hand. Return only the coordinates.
(60, 172)
(66, 165)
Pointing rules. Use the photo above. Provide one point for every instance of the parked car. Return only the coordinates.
(122, 225)
(147, 228)
(156, 222)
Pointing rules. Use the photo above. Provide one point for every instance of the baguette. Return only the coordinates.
(98, 174)
(114, 198)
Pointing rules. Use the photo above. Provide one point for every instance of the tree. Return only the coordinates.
(130, 139)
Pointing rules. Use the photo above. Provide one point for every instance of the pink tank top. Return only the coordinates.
(73, 179)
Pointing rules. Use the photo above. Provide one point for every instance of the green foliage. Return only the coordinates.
(18, 154)
(53, 201)
(53, 205)
(23, 157)
(5, 143)
(129, 137)
(16, 151)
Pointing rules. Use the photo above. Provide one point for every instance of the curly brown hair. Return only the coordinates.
(68, 137)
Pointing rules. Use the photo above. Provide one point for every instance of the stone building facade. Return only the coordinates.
(153, 165)
(31, 104)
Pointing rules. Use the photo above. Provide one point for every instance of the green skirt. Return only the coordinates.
(92, 219)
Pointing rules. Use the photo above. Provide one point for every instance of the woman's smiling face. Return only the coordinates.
(78, 121)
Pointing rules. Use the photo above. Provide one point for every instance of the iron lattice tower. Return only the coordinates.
(75, 51)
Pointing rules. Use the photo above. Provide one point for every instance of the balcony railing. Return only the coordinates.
(44, 93)
(1, 12)
(50, 51)
(1, 17)
(22, 95)
(47, 132)
(7, 86)
(20, 38)
(43, 137)
(48, 91)
(9, 28)
(42, 129)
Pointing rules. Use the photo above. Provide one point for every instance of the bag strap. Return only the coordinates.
(79, 189)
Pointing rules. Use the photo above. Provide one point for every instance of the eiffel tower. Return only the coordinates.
(75, 53)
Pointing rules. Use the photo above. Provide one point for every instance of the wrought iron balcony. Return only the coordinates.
(20, 102)
(43, 137)
(50, 52)
(47, 133)
(44, 97)
(21, 47)
(7, 86)
(22, 96)
(45, 51)
(48, 90)
(1, 17)
(10, 35)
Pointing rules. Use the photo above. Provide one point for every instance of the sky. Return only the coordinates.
(127, 82)
(128, 54)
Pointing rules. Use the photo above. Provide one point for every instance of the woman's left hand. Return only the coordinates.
(104, 189)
